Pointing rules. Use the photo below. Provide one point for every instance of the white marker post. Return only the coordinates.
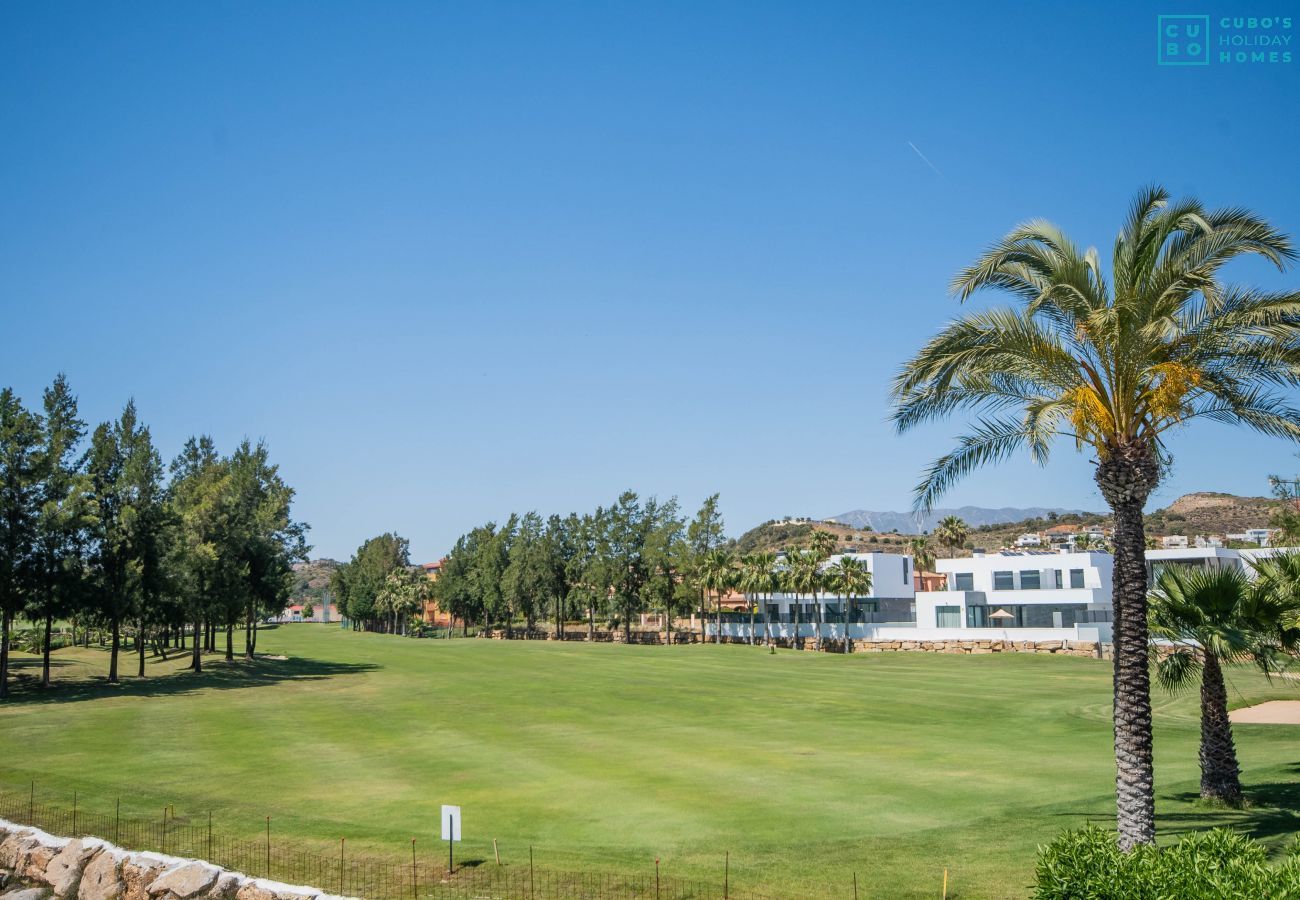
(450, 831)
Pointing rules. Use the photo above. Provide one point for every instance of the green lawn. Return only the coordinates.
(805, 767)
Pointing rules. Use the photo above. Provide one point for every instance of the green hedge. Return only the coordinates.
(1087, 865)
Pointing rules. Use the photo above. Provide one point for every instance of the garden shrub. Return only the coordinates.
(1211, 865)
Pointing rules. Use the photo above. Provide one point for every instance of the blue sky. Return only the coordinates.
(457, 259)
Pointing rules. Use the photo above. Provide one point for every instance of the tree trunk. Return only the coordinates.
(753, 609)
(821, 620)
(112, 659)
(591, 622)
(196, 658)
(140, 640)
(248, 634)
(704, 616)
(767, 620)
(717, 637)
(5, 622)
(1126, 478)
(848, 614)
(230, 641)
(796, 641)
(1220, 775)
(45, 651)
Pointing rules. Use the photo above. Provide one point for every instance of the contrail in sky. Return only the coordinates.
(926, 161)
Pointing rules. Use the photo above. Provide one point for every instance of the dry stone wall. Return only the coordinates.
(44, 866)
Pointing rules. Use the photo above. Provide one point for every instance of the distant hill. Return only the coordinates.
(974, 516)
(1204, 512)
(312, 579)
(1209, 512)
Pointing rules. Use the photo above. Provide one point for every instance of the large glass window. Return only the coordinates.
(947, 616)
(977, 617)
(1076, 578)
(1030, 579)
(904, 570)
(1058, 578)
(963, 581)
(1003, 581)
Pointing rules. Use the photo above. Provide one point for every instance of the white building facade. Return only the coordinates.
(1014, 590)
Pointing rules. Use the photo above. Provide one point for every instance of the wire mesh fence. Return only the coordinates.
(338, 870)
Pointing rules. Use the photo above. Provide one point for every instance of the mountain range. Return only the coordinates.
(916, 523)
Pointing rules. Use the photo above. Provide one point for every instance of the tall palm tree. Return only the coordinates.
(951, 532)
(718, 575)
(848, 578)
(1115, 365)
(1217, 616)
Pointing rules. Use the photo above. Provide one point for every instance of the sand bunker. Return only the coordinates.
(1274, 712)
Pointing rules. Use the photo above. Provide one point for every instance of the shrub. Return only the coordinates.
(1210, 865)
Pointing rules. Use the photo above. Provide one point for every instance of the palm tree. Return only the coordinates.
(1114, 366)
(718, 574)
(803, 576)
(951, 532)
(766, 581)
(752, 581)
(823, 545)
(922, 553)
(848, 578)
(1217, 616)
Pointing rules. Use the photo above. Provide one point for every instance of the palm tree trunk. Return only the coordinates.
(1126, 478)
(45, 651)
(1220, 775)
(704, 616)
(817, 611)
(752, 610)
(717, 637)
(767, 620)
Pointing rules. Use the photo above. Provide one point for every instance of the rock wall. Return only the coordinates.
(91, 869)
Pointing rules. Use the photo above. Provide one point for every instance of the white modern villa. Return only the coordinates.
(1024, 595)
(1019, 589)
(891, 597)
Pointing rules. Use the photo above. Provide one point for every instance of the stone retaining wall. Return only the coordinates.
(91, 869)
(832, 645)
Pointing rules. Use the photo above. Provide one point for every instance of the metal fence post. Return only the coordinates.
(415, 879)
(342, 842)
(74, 814)
(210, 836)
(117, 822)
(268, 846)
(31, 806)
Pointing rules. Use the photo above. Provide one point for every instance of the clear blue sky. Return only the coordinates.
(456, 259)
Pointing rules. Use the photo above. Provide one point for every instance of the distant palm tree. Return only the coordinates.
(823, 547)
(1113, 365)
(951, 532)
(767, 581)
(804, 576)
(922, 554)
(718, 574)
(848, 578)
(751, 582)
(1217, 616)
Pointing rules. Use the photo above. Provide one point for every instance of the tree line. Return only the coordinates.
(98, 532)
(632, 557)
